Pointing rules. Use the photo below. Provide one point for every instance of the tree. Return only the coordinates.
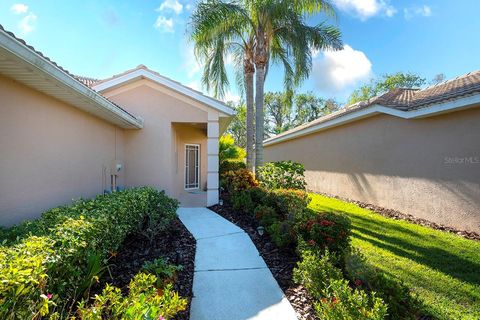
(219, 28)
(238, 128)
(386, 83)
(227, 150)
(282, 36)
(309, 107)
(278, 111)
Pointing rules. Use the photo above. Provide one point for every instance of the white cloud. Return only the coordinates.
(164, 25)
(27, 24)
(423, 11)
(190, 63)
(365, 9)
(195, 85)
(19, 8)
(173, 5)
(335, 71)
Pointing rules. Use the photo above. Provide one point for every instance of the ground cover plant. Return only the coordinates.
(441, 268)
(48, 264)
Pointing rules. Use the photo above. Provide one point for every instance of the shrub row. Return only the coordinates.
(51, 262)
(320, 238)
(282, 175)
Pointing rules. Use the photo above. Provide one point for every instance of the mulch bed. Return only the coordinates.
(176, 245)
(390, 213)
(281, 262)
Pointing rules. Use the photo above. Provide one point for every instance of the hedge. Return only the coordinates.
(50, 263)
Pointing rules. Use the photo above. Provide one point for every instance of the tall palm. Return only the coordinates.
(218, 29)
(282, 35)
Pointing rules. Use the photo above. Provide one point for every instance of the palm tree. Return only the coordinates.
(259, 31)
(282, 35)
(218, 29)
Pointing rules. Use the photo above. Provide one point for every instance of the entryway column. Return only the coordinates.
(212, 158)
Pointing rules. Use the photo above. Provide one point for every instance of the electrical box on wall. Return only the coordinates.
(116, 167)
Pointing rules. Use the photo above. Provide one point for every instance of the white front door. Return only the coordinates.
(192, 166)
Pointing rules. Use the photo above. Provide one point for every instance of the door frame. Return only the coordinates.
(185, 166)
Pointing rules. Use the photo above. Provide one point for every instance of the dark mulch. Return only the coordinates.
(176, 245)
(280, 261)
(390, 213)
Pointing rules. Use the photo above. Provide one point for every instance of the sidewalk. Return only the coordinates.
(231, 281)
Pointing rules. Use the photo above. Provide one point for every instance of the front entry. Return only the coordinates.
(192, 166)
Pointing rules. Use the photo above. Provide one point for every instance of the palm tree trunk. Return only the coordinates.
(259, 116)
(249, 71)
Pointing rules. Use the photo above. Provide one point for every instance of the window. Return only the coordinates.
(192, 166)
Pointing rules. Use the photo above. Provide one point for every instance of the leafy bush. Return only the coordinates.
(242, 201)
(51, 259)
(227, 150)
(342, 302)
(289, 202)
(325, 230)
(237, 181)
(145, 300)
(282, 175)
(164, 271)
(282, 233)
(266, 215)
(403, 304)
(230, 165)
(317, 272)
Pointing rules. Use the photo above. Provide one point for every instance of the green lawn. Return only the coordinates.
(444, 269)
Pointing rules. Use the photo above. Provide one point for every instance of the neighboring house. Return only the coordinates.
(415, 151)
(63, 137)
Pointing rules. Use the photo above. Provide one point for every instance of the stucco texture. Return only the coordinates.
(427, 167)
(51, 153)
(155, 154)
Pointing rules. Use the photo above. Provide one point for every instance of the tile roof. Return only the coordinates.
(89, 82)
(404, 99)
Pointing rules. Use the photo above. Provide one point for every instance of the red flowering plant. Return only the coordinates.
(325, 230)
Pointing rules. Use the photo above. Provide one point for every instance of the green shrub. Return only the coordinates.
(237, 181)
(325, 230)
(266, 215)
(282, 233)
(164, 271)
(230, 165)
(242, 201)
(402, 302)
(317, 272)
(65, 243)
(145, 300)
(228, 151)
(289, 202)
(342, 302)
(282, 175)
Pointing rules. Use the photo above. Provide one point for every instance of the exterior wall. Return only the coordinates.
(154, 154)
(406, 165)
(51, 153)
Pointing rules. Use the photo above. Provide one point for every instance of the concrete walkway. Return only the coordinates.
(231, 281)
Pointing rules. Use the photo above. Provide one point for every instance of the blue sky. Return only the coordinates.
(101, 38)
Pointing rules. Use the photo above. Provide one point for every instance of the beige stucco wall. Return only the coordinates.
(406, 165)
(51, 152)
(151, 154)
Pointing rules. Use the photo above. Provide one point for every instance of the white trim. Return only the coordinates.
(143, 73)
(439, 108)
(46, 67)
(185, 166)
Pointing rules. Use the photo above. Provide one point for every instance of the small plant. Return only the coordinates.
(230, 165)
(144, 301)
(289, 202)
(164, 271)
(282, 233)
(282, 175)
(266, 215)
(242, 201)
(237, 181)
(325, 230)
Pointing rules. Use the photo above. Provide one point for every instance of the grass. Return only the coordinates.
(443, 268)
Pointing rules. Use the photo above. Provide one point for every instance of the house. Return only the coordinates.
(63, 137)
(414, 151)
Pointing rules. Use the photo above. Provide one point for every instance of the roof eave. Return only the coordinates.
(369, 111)
(102, 108)
(145, 74)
